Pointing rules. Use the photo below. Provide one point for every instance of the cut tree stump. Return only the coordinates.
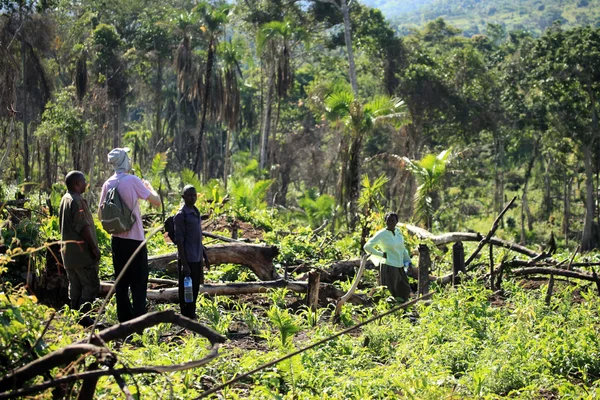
(170, 295)
(258, 258)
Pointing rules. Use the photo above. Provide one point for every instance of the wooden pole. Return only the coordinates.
(424, 267)
(458, 261)
(312, 297)
(550, 290)
(492, 267)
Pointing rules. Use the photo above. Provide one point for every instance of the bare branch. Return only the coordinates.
(122, 371)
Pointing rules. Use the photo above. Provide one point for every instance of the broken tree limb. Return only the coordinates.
(223, 238)
(158, 369)
(344, 298)
(490, 234)
(551, 271)
(170, 295)
(258, 258)
(452, 237)
(337, 271)
(15, 380)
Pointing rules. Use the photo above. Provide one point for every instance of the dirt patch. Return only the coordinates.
(244, 230)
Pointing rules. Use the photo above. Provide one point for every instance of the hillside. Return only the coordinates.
(472, 15)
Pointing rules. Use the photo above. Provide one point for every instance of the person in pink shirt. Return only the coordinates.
(131, 190)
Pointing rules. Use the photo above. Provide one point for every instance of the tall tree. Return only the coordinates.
(566, 67)
(213, 20)
(110, 70)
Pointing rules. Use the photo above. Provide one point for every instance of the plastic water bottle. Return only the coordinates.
(188, 294)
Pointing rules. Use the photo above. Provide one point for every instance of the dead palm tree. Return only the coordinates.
(230, 110)
(213, 19)
(274, 46)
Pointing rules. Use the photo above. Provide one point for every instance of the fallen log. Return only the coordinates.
(170, 295)
(553, 271)
(451, 237)
(338, 271)
(258, 258)
(17, 378)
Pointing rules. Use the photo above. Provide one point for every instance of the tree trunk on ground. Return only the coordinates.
(171, 295)
(588, 241)
(348, 39)
(258, 258)
(452, 237)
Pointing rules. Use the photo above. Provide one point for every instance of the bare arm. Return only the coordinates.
(153, 198)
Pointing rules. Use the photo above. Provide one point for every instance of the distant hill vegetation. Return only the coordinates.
(471, 16)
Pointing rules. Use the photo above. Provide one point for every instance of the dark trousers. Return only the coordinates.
(135, 278)
(197, 275)
(396, 281)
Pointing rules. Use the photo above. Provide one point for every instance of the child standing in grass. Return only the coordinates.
(188, 238)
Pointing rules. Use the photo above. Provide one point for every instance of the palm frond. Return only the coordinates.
(338, 104)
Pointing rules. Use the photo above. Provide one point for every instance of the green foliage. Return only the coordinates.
(428, 172)
(64, 118)
(249, 194)
(317, 208)
(285, 323)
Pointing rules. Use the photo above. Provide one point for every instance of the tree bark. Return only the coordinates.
(258, 258)
(314, 283)
(424, 267)
(266, 128)
(458, 261)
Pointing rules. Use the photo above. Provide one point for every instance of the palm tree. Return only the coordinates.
(273, 43)
(184, 68)
(428, 172)
(213, 19)
(359, 120)
(230, 106)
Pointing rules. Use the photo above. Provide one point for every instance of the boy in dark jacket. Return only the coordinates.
(188, 238)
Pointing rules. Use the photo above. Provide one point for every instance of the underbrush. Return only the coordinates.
(461, 345)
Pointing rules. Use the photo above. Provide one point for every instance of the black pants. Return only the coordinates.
(396, 281)
(197, 275)
(135, 278)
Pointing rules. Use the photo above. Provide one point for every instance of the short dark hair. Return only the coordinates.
(187, 188)
(390, 214)
(73, 177)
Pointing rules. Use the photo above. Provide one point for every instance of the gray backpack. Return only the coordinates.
(115, 216)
